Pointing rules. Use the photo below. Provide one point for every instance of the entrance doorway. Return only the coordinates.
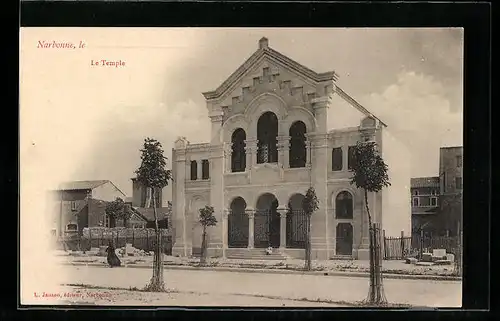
(344, 239)
(267, 222)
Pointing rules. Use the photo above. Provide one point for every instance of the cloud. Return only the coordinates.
(117, 140)
(418, 112)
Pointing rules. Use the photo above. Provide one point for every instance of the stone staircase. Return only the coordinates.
(341, 257)
(254, 254)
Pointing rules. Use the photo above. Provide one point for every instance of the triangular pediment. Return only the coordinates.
(267, 62)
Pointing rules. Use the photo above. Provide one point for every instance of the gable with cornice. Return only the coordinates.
(268, 71)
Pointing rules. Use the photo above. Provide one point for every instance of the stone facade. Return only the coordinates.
(269, 142)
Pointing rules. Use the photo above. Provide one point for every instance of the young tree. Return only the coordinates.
(117, 210)
(369, 172)
(207, 219)
(309, 205)
(154, 175)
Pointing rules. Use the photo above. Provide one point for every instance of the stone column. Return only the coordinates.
(251, 152)
(308, 153)
(282, 210)
(227, 157)
(225, 225)
(283, 151)
(251, 215)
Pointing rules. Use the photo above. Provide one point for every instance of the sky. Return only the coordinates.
(85, 122)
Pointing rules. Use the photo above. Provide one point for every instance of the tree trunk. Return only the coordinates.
(157, 283)
(203, 257)
(308, 266)
(372, 251)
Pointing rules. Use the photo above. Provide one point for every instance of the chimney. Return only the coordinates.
(263, 43)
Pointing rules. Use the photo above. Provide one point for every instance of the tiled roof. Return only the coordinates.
(424, 182)
(148, 212)
(76, 185)
(423, 210)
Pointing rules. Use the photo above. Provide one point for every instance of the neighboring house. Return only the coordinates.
(451, 171)
(80, 204)
(424, 203)
(437, 201)
(142, 204)
(278, 128)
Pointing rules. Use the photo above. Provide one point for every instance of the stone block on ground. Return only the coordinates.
(424, 263)
(439, 253)
(411, 260)
(450, 257)
(102, 251)
(442, 262)
(426, 257)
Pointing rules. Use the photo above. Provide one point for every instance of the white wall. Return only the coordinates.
(107, 192)
(396, 205)
(342, 114)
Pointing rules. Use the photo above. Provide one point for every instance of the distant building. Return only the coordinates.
(424, 202)
(451, 173)
(142, 203)
(437, 201)
(79, 204)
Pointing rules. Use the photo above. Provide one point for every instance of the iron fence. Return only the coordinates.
(396, 248)
(142, 239)
(296, 229)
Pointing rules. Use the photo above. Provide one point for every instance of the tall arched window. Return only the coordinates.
(238, 154)
(297, 145)
(343, 205)
(267, 135)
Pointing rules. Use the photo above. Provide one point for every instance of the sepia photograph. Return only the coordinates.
(241, 167)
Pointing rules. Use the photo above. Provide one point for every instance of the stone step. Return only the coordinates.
(253, 254)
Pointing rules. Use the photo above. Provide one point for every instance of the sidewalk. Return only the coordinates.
(392, 269)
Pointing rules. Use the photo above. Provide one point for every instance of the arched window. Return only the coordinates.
(267, 134)
(297, 145)
(194, 170)
(343, 205)
(238, 154)
(337, 159)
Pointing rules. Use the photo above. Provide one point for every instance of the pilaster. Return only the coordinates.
(317, 143)
(227, 157)
(179, 196)
(216, 162)
(251, 216)
(225, 218)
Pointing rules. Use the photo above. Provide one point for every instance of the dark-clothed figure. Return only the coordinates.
(113, 259)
